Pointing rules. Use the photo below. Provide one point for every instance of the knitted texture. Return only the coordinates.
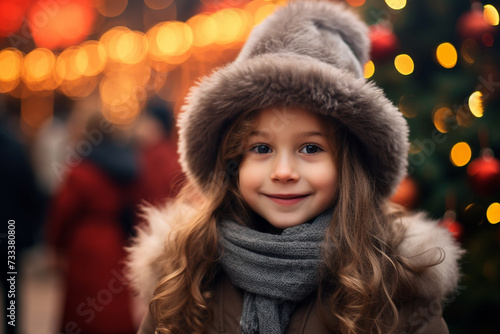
(275, 271)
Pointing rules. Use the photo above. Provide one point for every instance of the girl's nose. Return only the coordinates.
(284, 169)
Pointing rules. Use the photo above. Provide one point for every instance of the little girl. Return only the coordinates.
(285, 225)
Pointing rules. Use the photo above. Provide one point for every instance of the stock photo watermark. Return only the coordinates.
(11, 271)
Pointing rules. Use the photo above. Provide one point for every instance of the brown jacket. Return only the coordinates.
(423, 315)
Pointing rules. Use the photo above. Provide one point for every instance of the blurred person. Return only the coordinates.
(161, 174)
(21, 210)
(90, 218)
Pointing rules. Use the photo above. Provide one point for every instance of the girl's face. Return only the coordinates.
(288, 174)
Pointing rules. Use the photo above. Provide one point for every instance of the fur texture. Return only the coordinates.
(308, 54)
(143, 267)
(423, 238)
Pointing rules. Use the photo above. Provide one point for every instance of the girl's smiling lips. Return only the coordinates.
(286, 199)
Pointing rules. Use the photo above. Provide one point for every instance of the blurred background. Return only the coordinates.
(89, 94)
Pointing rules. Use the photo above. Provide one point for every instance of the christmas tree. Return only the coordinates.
(438, 61)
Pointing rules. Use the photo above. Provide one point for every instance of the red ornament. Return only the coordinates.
(384, 42)
(484, 174)
(456, 229)
(406, 194)
(472, 25)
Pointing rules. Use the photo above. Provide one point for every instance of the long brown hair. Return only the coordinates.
(362, 279)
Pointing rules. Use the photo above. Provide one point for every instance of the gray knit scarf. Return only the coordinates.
(275, 271)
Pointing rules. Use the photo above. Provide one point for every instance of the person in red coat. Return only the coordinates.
(161, 175)
(90, 219)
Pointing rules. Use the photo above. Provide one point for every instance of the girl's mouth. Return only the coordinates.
(286, 199)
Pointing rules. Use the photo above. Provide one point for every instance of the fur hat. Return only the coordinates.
(306, 54)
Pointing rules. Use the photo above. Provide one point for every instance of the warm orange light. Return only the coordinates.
(92, 57)
(38, 71)
(476, 104)
(490, 15)
(263, 12)
(234, 25)
(69, 65)
(493, 213)
(59, 24)
(125, 46)
(446, 55)
(81, 87)
(460, 154)
(11, 61)
(121, 101)
(110, 8)
(404, 64)
(369, 69)
(158, 4)
(205, 29)
(169, 40)
(441, 119)
(396, 4)
(356, 3)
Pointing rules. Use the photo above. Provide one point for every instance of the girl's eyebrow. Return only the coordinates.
(310, 134)
(306, 134)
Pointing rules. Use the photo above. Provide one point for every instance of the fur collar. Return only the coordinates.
(423, 238)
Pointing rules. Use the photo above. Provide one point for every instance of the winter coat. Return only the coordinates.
(422, 315)
(160, 171)
(86, 226)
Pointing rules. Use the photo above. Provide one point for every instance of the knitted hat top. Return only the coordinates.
(309, 55)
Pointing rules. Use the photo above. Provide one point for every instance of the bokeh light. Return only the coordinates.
(11, 62)
(476, 104)
(205, 29)
(446, 55)
(92, 55)
(170, 42)
(493, 213)
(158, 4)
(59, 24)
(234, 25)
(369, 69)
(125, 46)
(356, 3)
(408, 105)
(396, 4)
(263, 12)
(469, 49)
(39, 69)
(442, 117)
(460, 154)
(490, 15)
(404, 64)
(12, 13)
(110, 8)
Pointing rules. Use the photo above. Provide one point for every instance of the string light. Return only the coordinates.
(460, 154)
(446, 55)
(11, 62)
(476, 104)
(490, 15)
(369, 69)
(396, 4)
(493, 213)
(404, 64)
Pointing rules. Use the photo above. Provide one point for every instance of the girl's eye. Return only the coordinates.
(261, 149)
(311, 149)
